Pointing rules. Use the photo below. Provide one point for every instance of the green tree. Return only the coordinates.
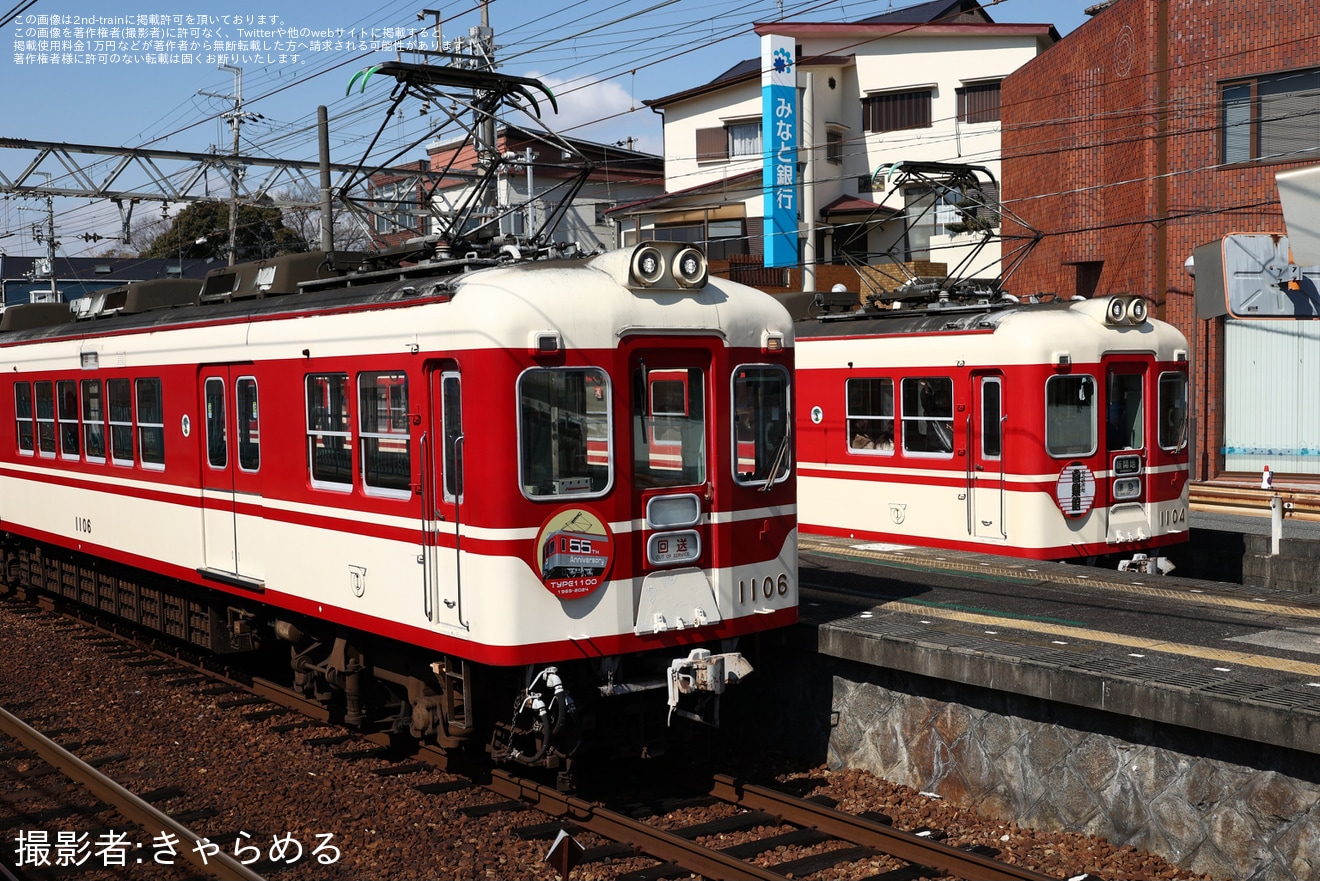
(202, 230)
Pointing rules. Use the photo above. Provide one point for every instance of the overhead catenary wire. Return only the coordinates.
(288, 131)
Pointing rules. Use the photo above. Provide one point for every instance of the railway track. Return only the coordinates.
(766, 823)
(39, 853)
(779, 821)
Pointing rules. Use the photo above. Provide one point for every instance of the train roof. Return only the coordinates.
(557, 289)
(839, 315)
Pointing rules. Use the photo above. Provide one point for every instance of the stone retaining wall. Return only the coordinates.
(1212, 804)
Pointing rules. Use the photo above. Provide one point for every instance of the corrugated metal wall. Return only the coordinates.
(1272, 396)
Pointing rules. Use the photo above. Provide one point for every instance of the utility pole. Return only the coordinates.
(485, 42)
(235, 117)
(48, 239)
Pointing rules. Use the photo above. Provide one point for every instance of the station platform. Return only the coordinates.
(1212, 656)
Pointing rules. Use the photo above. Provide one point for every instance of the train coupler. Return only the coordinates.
(704, 673)
(1146, 565)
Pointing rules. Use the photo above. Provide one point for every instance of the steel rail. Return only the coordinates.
(647, 840)
(219, 865)
(906, 846)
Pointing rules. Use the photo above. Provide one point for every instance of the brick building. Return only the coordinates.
(1153, 129)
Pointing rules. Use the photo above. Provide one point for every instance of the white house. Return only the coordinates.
(916, 85)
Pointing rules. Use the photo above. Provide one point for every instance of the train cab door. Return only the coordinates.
(675, 483)
(230, 439)
(442, 499)
(985, 444)
(1124, 443)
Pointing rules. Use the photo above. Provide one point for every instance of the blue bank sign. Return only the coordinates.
(779, 124)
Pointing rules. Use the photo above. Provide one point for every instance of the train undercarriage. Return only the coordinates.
(535, 717)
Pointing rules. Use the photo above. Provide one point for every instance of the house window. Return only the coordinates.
(734, 140)
(894, 111)
(834, 147)
(1272, 117)
(745, 139)
(399, 205)
(979, 103)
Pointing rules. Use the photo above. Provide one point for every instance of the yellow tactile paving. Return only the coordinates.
(1224, 656)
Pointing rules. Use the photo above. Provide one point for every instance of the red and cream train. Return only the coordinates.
(1049, 430)
(495, 497)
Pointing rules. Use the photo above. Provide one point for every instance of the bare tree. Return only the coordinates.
(349, 232)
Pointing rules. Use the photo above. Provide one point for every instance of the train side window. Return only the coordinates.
(66, 395)
(557, 411)
(248, 416)
(46, 417)
(383, 433)
(870, 415)
(1125, 429)
(329, 442)
(150, 424)
(1173, 411)
(927, 416)
(1070, 425)
(762, 424)
(119, 399)
(452, 421)
(93, 419)
(217, 447)
(992, 408)
(23, 417)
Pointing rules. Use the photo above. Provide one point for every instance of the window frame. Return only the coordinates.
(66, 419)
(90, 421)
(1165, 411)
(245, 429)
(144, 428)
(372, 486)
(126, 384)
(909, 423)
(48, 423)
(856, 421)
(1268, 131)
(1093, 409)
(313, 434)
(976, 110)
(899, 110)
(30, 419)
(211, 424)
(743, 126)
(789, 461)
(602, 382)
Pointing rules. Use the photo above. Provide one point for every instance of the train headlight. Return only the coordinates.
(667, 512)
(1137, 311)
(648, 265)
(1126, 488)
(673, 548)
(1116, 311)
(690, 268)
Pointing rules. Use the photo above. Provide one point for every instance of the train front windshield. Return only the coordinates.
(761, 424)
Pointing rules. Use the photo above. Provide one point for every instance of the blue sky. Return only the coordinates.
(602, 58)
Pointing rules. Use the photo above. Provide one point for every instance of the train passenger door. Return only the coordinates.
(1125, 436)
(230, 438)
(985, 445)
(442, 498)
